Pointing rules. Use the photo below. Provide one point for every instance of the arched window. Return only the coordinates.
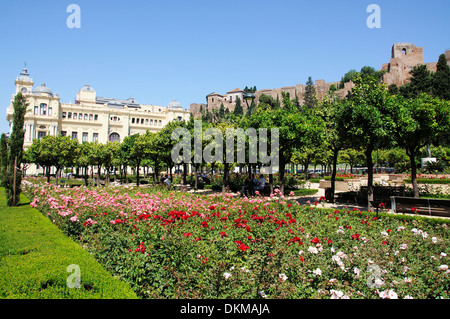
(404, 51)
(114, 137)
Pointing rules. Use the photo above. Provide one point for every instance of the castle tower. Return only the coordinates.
(404, 57)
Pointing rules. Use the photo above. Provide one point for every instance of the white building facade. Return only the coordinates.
(91, 118)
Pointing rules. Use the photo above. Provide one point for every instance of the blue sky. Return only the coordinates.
(156, 51)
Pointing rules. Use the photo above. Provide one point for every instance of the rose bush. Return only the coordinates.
(178, 245)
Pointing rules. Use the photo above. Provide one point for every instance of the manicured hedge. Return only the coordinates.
(35, 255)
(429, 180)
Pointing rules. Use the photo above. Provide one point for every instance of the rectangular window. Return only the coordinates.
(36, 110)
(85, 137)
(231, 99)
(74, 116)
(91, 117)
(69, 115)
(50, 111)
(151, 122)
(85, 117)
(132, 120)
(74, 135)
(41, 135)
(142, 121)
(146, 121)
(160, 122)
(80, 116)
(43, 109)
(63, 115)
(95, 117)
(95, 137)
(63, 133)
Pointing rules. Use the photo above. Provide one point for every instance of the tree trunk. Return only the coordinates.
(412, 157)
(333, 173)
(306, 177)
(184, 173)
(47, 170)
(271, 181)
(369, 177)
(281, 174)
(86, 175)
(155, 180)
(56, 175)
(196, 178)
(226, 173)
(137, 174)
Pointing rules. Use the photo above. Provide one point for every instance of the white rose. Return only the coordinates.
(443, 267)
(227, 275)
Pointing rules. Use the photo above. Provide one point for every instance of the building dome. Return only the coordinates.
(42, 89)
(174, 105)
(24, 76)
(87, 87)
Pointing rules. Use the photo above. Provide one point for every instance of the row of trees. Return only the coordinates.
(372, 117)
(136, 151)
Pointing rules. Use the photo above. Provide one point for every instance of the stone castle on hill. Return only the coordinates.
(404, 57)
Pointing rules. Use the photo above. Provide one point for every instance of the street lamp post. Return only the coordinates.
(249, 96)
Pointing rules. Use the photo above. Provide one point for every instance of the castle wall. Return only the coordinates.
(404, 57)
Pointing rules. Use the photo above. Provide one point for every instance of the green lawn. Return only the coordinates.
(35, 255)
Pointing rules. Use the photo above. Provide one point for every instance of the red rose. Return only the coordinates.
(243, 247)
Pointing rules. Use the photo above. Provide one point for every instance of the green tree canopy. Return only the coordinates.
(421, 82)
(441, 79)
(365, 120)
(418, 121)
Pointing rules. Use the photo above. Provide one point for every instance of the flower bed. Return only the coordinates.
(169, 245)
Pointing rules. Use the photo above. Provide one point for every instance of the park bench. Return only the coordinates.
(422, 206)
